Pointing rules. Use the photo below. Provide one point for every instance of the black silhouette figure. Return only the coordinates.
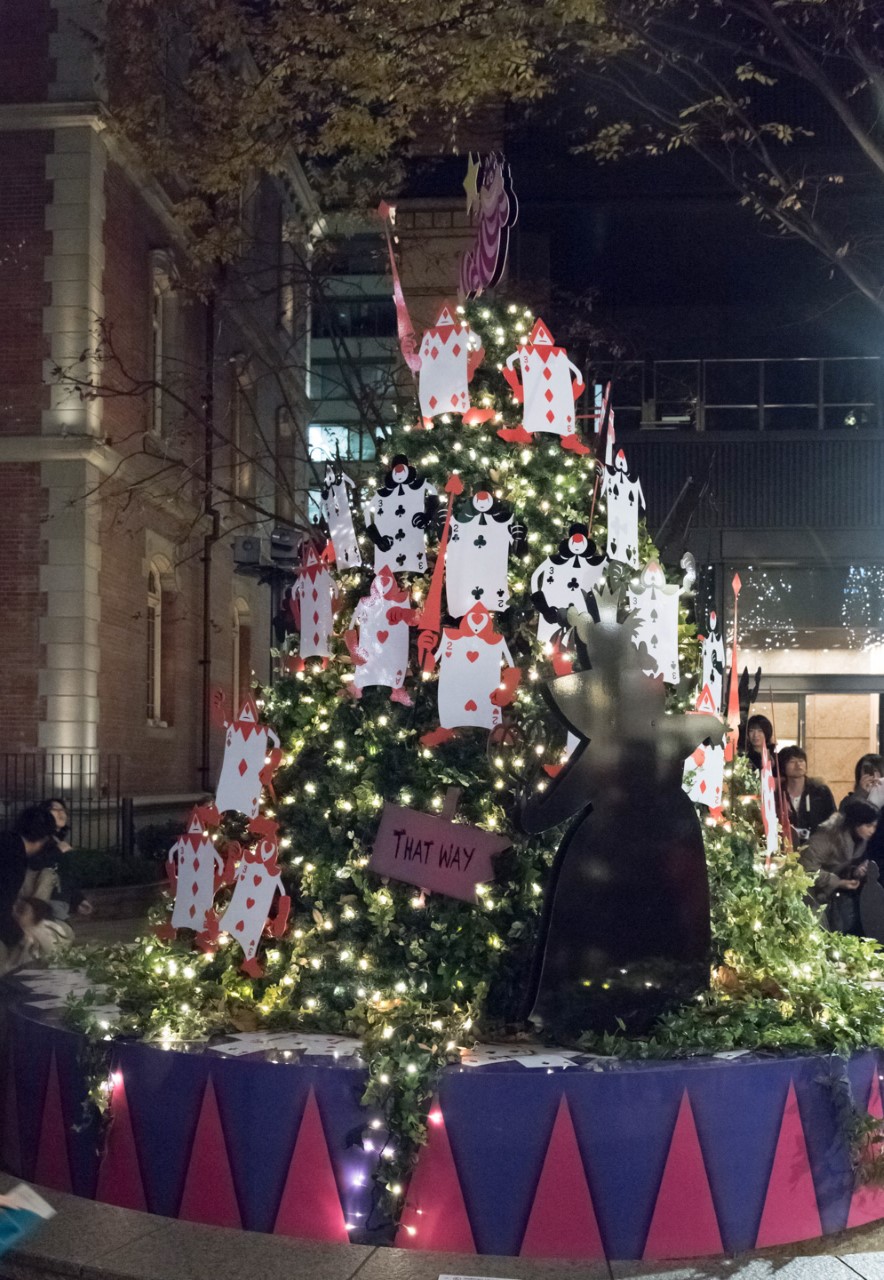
(626, 929)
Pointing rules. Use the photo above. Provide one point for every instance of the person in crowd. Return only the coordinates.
(867, 776)
(809, 802)
(43, 934)
(846, 884)
(54, 874)
(759, 731)
(33, 831)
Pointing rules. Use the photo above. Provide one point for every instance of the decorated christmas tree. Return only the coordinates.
(319, 894)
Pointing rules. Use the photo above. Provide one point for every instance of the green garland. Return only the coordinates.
(418, 979)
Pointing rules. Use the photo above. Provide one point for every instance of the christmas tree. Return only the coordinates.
(418, 975)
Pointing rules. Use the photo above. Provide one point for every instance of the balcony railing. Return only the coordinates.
(835, 393)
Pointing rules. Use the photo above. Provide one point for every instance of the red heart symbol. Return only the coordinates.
(258, 878)
(250, 902)
(382, 636)
(470, 706)
(472, 655)
(238, 928)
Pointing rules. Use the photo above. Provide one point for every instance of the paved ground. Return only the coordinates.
(99, 1242)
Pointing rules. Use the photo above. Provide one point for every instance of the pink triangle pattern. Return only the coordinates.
(310, 1207)
(562, 1222)
(684, 1223)
(119, 1175)
(209, 1194)
(53, 1165)
(10, 1145)
(435, 1215)
(867, 1202)
(790, 1206)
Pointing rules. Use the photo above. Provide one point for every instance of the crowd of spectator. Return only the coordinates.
(841, 847)
(37, 890)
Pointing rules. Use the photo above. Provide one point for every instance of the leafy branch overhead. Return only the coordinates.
(780, 98)
(215, 93)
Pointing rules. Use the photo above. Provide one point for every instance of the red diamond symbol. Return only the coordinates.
(433, 402)
(316, 637)
(547, 373)
(316, 616)
(315, 594)
(434, 351)
(548, 394)
(454, 400)
(243, 767)
(702, 788)
(455, 350)
(550, 416)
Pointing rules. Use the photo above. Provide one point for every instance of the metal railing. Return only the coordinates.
(748, 395)
(89, 784)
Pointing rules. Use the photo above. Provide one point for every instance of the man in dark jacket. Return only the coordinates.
(809, 802)
(33, 831)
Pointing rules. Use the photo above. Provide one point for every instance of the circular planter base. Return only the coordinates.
(547, 1155)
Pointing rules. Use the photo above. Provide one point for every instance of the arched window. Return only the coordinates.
(241, 657)
(154, 645)
(160, 295)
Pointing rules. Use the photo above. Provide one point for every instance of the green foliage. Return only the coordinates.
(213, 94)
(418, 978)
(100, 869)
(154, 840)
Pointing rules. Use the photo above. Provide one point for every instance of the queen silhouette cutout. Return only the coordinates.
(625, 933)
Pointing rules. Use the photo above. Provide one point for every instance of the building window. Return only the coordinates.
(240, 431)
(327, 441)
(241, 658)
(285, 277)
(160, 293)
(354, 318)
(154, 646)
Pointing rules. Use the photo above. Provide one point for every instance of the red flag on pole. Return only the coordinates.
(733, 695)
(404, 326)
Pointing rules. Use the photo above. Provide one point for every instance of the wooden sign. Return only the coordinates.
(434, 853)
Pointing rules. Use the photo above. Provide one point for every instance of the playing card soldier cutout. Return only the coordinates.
(704, 768)
(397, 516)
(195, 869)
(251, 756)
(256, 883)
(562, 579)
(654, 603)
(483, 531)
(450, 354)
(625, 932)
(712, 663)
(472, 690)
(625, 499)
(338, 516)
(312, 600)
(378, 639)
(547, 384)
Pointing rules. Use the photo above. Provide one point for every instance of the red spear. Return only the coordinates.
(733, 693)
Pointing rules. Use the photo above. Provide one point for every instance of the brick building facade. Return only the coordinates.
(111, 523)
